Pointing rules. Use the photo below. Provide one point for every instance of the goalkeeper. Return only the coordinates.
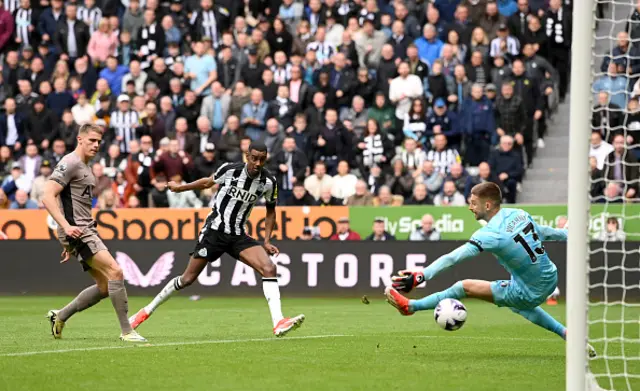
(516, 240)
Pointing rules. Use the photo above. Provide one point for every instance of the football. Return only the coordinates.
(450, 314)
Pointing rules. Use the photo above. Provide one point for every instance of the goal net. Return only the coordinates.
(613, 281)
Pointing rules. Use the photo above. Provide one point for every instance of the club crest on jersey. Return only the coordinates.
(241, 195)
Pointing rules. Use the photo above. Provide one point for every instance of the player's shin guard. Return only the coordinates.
(272, 294)
(175, 284)
(85, 299)
(119, 300)
(456, 291)
(542, 319)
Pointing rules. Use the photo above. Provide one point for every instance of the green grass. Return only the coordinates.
(379, 349)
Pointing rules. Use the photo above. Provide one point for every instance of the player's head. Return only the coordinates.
(485, 200)
(89, 139)
(256, 157)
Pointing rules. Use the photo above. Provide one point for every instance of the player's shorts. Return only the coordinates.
(509, 293)
(214, 243)
(85, 247)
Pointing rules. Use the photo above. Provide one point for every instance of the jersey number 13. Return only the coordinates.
(533, 254)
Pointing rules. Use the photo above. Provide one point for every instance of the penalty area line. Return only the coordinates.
(156, 345)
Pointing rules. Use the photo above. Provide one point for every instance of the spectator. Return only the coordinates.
(606, 116)
(400, 181)
(429, 46)
(612, 232)
(441, 156)
(133, 19)
(622, 168)
(420, 196)
(599, 149)
(361, 197)
(71, 35)
(510, 111)
(137, 75)
(344, 183)
(375, 147)
(273, 138)
(6, 161)
(425, 231)
(384, 197)
(300, 197)
(289, 165)
(415, 126)
(83, 112)
(379, 233)
(484, 175)
(369, 43)
(158, 197)
(615, 83)
(561, 222)
(442, 121)
(26, 97)
(30, 162)
(559, 28)
(206, 163)
(344, 232)
(102, 43)
(12, 128)
(215, 107)
(478, 122)
(355, 118)
(458, 176)
(22, 201)
(450, 195)
(384, 115)
(507, 163)
(113, 74)
(282, 108)
(15, 181)
(412, 157)
(326, 199)
(403, 89)
(174, 162)
(150, 39)
(254, 115)
(57, 152)
(318, 181)
(504, 44)
(60, 100)
(327, 142)
(102, 181)
(37, 189)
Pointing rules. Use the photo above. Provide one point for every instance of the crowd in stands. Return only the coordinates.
(360, 102)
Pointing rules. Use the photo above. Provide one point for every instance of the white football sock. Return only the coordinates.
(175, 284)
(272, 294)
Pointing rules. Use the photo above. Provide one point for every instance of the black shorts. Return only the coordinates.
(214, 243)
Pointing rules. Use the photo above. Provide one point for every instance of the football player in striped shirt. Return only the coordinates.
(241, 185)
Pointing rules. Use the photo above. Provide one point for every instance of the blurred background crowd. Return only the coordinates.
(360, 102)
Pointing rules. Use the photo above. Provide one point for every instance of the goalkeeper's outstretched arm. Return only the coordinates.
(466, 251)
(548, 233)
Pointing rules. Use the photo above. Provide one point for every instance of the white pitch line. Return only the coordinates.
(487, 338)
(151, 345)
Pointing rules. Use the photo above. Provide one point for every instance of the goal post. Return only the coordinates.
(578, 197)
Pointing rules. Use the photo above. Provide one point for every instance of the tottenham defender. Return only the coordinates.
(516, 240)
(241, 185)
(72, 182)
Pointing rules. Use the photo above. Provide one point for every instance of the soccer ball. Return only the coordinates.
(450, 314)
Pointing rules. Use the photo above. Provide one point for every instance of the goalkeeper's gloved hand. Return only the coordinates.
(406, 280)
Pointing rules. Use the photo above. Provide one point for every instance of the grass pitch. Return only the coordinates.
(227, 344)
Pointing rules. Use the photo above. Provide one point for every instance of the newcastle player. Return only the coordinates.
(240, 187)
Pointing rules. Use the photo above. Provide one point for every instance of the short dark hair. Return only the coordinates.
(488, 191)
(258, 146)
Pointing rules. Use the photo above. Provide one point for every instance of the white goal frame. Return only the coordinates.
(578, 198)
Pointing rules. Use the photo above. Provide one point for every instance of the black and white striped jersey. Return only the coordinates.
(236, 197)
(124, 125)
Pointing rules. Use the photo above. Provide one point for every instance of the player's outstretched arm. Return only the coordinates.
(466, 251)
(52, 190)
(548, 233)
(200, 184)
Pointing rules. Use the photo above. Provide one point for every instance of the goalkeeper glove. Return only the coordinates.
(406, 280)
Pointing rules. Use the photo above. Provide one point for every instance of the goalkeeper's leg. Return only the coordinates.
(477, 289)
(541, 318)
